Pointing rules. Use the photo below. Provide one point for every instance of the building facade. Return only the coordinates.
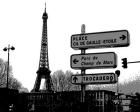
(67, 101)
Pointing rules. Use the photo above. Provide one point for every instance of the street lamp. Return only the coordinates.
(8, 49)
(118, 101)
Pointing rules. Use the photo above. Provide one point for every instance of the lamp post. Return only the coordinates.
(8, 49)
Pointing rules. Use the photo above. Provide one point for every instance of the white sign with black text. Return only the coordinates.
(107, 39)
(101, 78)
(94, 60)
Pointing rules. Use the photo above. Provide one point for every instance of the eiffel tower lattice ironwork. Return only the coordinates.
(43, 70)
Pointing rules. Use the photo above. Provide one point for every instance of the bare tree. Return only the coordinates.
(13, 83)
(62, 81)
(3, 69)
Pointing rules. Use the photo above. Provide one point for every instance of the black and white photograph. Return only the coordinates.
(69, 56)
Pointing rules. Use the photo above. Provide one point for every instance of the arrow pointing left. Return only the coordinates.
(75, 61)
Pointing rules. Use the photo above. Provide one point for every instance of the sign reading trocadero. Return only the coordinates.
(94, 60)
(101, 78)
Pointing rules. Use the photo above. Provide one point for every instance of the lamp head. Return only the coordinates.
(5, 49)
(12, 48)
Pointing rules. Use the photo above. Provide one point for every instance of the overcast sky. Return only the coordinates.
(21, 27)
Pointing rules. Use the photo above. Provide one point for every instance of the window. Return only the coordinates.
(97, 95)
(101, 95)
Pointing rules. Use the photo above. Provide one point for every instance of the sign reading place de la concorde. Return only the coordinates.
(118, 38)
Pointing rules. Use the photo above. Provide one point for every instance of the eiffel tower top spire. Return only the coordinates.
(45, 15)
(45, 7)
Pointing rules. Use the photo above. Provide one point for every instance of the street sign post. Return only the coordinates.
(94, 60)
(85, 61)
(101, 78)
(118, 38)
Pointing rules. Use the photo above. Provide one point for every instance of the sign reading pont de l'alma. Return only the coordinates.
(94, 60)
(118, 38)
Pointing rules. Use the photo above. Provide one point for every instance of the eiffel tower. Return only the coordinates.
(43, 70)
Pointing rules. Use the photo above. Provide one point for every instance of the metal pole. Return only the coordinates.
(118, 96)
(133, 62)
(83, 70)
(83, 87)
(8, 66)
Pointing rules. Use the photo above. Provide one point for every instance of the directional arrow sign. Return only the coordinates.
(118, 38)
(75, 79)
(101, 78)
(94, 60)
(75, 61)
